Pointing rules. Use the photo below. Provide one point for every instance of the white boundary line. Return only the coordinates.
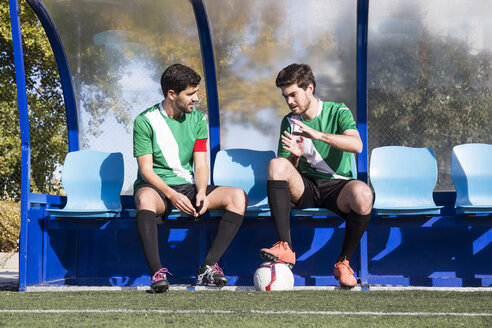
(58, 311)
(66, 288)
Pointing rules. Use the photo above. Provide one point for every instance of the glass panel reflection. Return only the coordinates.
(254, 40)
(117, 51)
(430, 76)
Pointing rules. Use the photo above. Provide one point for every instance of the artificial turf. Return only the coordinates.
(240, 305)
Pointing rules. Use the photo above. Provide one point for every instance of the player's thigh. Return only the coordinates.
(149, 199)
(230, 198)
(281, 168)
(296, 186)
(357, 196)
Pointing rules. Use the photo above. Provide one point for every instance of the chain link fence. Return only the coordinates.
(427, 85)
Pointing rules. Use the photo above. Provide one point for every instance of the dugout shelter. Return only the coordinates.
(414, 73)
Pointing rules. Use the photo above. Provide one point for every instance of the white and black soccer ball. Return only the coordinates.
(273, 276)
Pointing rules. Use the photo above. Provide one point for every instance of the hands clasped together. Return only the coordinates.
(183, 204)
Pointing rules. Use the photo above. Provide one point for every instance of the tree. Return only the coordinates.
(112, 36)
(426, 90)
(46, 107)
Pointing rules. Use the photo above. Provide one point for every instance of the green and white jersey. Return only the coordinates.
(170, 141)
(319, 159)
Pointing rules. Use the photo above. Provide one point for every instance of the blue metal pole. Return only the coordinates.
(362, 21)
(25, 136)
(210, 77)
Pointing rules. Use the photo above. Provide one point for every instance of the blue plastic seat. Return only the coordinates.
(93, 182)
(403, 179)
(296, 212)
(471, 173)
(246, 169)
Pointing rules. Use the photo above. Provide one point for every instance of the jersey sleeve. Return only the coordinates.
(142, 136)
(284, 126)
(201, 127)
(200, 145)
(346, 119)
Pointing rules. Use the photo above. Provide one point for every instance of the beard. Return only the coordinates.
(188, 108)
(299, 109)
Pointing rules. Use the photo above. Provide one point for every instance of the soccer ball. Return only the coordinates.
(273, 276)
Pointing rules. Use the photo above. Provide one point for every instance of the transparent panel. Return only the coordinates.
(253, 40)
(430, 76)
(48, 132)
(117, 51)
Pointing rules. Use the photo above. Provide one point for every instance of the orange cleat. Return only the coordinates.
(344, 274)
(279, 252)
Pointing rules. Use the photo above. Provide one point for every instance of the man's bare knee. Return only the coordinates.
(143, 203)
(147, 200)
(238, 201)
(278, 168)
(362, 199)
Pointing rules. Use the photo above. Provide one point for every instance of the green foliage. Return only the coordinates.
(46, 108)
(119, 38)
(104, 48)
(429, 91)
(9, 225)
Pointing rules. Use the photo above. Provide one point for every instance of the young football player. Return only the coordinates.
(170, 138)
(313, 168)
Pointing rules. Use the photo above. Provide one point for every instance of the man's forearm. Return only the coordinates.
(348, 143)
(201, 178)
(152, 178)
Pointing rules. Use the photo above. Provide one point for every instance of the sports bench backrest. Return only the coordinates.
(471, 173)
(93, 180)
(354, 167)
(403, 176)
(246, 169)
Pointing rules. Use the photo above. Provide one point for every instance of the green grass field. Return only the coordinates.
(305, 308)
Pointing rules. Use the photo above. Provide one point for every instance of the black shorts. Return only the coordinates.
(321, 193)
(187, 189)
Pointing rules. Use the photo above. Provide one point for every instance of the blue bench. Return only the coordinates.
(92, 181)
(240, 168)
(248, 169)
(103, 250)
(403, 179)
(471, 173)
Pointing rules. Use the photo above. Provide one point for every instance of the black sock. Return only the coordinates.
(228, 226)
(147, 233)
(355, 226)
(279, 201)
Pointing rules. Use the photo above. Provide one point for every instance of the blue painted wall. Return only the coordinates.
(436, 251)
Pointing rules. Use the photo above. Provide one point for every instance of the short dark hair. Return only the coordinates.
(178, 77)
(301, 74)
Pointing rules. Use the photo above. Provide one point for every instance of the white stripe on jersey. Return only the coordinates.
(168, 145)
(312, 155)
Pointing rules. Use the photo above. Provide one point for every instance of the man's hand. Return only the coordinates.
(290, 143)
(201, 203)
(305, 131)
(183, 204)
